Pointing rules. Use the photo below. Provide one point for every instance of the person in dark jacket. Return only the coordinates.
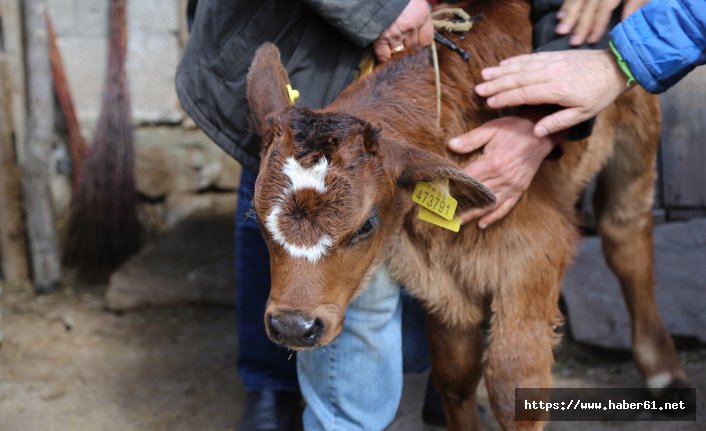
(321, 43)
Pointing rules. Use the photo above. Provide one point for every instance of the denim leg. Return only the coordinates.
(415, 346)
(262, 365)
(355, 383)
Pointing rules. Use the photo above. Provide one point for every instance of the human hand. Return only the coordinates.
(582, 81)
(588, 19)
(413, 27)
(630, 6)
(508, 164)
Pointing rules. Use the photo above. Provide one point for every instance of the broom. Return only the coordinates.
(77, 145)
(103, 225)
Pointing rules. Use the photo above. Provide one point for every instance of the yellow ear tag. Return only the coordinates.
(430, 217)
(293, 94)
(435, 198)
(437, 205)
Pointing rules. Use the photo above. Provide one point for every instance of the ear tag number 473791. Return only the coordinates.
(437, 205)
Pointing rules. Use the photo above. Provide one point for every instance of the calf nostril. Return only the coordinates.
(313, 334)
(273, 323)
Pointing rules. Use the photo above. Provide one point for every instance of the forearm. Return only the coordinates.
(663, 41)
(361, 21)
(545, 39)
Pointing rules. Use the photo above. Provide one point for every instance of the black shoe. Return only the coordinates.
(271, 411)
(433, 411)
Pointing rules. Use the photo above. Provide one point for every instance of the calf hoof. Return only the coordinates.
(676, 391)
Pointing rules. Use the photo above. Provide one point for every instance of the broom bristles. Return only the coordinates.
(103, 226)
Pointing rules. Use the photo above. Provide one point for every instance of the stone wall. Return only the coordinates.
(178, 170)
(154, 29)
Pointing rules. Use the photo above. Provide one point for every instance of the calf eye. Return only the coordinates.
(365, 229)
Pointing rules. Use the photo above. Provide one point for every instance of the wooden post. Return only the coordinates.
(14, 53)
(13, 247)
(35, 164)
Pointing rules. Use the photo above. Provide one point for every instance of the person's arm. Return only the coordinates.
(656, 46)
(512, 153)
(511, 156)
(660, 44)
(663, 41)
(587, 20)
(583, 82)
(387, 24)
(361, 21)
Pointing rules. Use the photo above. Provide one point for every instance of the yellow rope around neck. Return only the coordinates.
(437, 83)
(462, 23)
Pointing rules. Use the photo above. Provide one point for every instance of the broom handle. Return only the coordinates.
(117, 45)
(77, 145)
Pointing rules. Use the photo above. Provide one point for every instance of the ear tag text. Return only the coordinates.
(437, 205)
(292, 93)
(435, 198)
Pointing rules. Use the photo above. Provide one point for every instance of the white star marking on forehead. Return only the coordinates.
(300, 178)
(306, 178)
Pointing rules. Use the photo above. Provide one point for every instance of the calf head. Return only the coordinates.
(328, 199)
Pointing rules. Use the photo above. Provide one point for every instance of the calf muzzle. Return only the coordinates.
(295, 329)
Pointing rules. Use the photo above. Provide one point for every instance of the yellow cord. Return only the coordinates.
(437, 83)
(463, 26)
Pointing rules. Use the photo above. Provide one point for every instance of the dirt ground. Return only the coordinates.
(68, 365)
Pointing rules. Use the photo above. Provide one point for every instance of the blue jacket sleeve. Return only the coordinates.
(663, 41)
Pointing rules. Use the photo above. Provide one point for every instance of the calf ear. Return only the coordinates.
(267, 84)
(413, 165)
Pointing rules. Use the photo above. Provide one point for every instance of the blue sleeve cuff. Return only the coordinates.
(662, 42)
(635, 62)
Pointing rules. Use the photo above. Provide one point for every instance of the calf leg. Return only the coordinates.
(623, 206)
(520, 350)
(456, 370)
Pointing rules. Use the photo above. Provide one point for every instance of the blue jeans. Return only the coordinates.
(355, 383)
(262, 365)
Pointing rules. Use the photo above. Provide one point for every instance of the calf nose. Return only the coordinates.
(295, 329)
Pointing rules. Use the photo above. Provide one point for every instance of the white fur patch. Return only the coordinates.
(312, 253)
(300, 178)
(659, 381)
(306, 178)
(647, 354)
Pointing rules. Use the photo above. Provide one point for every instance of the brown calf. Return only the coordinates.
(334, 199)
